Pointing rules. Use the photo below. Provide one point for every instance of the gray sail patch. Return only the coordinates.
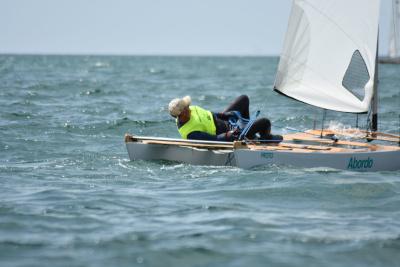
(356, 76)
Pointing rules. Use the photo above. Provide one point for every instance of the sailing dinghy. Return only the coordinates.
(329, 60)
(394, 41)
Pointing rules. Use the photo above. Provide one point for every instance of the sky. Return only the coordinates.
(150, 27)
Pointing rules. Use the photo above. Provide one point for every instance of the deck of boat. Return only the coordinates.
(306, 142)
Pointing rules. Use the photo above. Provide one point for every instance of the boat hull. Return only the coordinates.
(359, 161)
(328, 154)
(185, 154)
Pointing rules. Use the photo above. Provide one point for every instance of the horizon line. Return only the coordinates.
(134, 54)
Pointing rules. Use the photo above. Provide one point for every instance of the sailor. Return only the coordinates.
(194, 122)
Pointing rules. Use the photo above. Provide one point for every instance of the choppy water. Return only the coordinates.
(70, 196)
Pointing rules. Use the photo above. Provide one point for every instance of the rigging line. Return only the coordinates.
(368, 126)
(249, 125)
(356, 120)
(315, 122)
(293, 129)
(323, 122)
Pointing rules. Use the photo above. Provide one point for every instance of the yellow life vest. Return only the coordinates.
(201, 120)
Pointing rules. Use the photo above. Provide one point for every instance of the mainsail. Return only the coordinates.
(394, 45)
(329, 54)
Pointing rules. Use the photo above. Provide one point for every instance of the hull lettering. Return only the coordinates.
(360, 164)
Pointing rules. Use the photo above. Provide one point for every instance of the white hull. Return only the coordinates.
(373, 158)
(361, 161)
(185, 154)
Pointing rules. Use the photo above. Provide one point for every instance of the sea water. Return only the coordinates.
(69, 196)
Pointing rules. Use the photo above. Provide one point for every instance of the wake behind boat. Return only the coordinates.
(329, 61)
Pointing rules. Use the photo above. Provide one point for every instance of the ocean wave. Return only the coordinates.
(91, 92)
(18, 244)
(71, 196)
(114, 125)
(344, 237)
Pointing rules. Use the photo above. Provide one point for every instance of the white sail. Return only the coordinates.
(329, 54)
(394, 45)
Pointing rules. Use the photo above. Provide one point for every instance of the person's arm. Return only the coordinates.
(224, 137)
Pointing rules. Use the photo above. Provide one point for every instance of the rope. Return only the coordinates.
(248, 126)
(239, 122)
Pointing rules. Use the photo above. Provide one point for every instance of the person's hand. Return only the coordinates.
(232, 134)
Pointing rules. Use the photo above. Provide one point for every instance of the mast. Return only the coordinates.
(374, 105)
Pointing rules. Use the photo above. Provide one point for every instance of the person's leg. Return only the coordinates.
(261, 126)
(240, 104)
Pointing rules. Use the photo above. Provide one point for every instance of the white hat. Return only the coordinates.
(177, 105)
